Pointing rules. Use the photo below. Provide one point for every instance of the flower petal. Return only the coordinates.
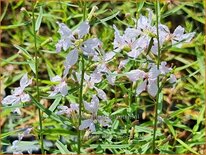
(25, 81)
(83, 29)
(135, 75)
(56, 78)
(152, 87)
(71, 58)
(93, 106)
(10, 99)
(172, 78)
(85, 124)
(25, 97)
(178, 31)
(104, 121)
(101, 94)
(108, 56)
(141, 87)
(63, 89)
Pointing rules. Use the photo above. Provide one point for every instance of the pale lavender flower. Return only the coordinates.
(149, 80)
(101, 94)
(69, 37)
(61, 87)
(123, 63)
(93, 108)
(135, 75)
(18, 147)
(127, 41)
(74, 40)
(64, 110)
(172, 78)
(18, 95)
(25, 133)
(163, 68)
(178, 37)
(102, 68)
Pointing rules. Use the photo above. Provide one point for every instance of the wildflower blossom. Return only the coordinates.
(18, 95)
(74, 40)
(59, 88)
(64, 110)
(19, 146)
(93, 108)
(178, 36)
(25, 133)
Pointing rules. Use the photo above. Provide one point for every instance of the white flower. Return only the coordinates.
(150, 81)
(128, 41)
(135, 75)
(164, 69)
(123, 63)
(18, 147)
(69, 37)
(74, 40)
(64, 110)
(18, 95)
(61, 87)
(25, 133)
(172, 78)
(101, 94)
(93, 108)
(178, 36)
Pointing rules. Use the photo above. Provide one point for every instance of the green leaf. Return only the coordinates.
(199, 120)
(14, 26)
(39, 19)
(55, 104)
(62, 148)
(48, 112)
(108, 18)
(140, 6)
(32, 65)
(23, 50)
(170, 127)
(110, 146)
(150, 45)
(186, 146)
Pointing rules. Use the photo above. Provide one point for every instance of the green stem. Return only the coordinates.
(81, 88)
(158, 80)
(80, 102)
(37, 80)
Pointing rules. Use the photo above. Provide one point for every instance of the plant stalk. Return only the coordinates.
(81, 87)
(37, 80)
(158, 81)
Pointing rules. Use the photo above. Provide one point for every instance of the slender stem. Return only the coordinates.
(81, 88)
(37, 80)
(80, 102)
(158, 80)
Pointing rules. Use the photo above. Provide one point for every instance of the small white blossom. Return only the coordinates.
(59, 88)
(172, 78)
(18, 95)
(25, 133)
(93, 108)
(178, 36)
(74, 40)
(64, 110)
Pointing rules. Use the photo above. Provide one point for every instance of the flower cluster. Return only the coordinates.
(139, 42)
(19, 146)
(93, 109)
(142, 39)
(78, 42)
(18, 95)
